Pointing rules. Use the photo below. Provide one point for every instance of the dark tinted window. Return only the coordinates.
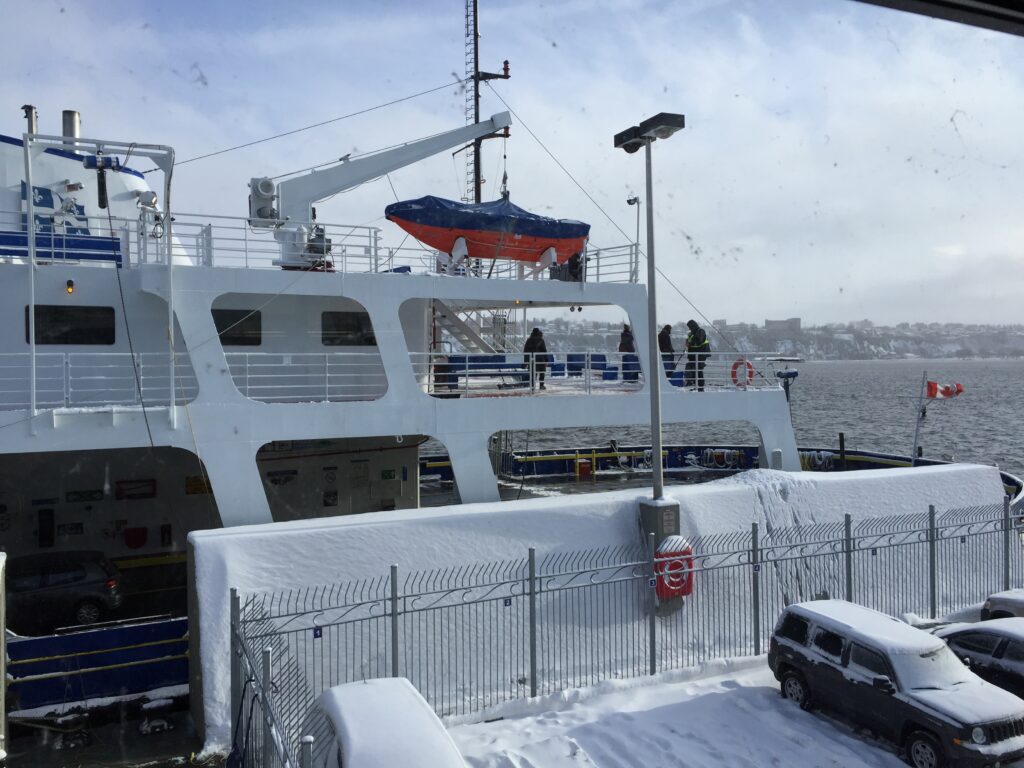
(22, 582)
(793, 628)
(346, 329)
(872, 662)
(72, 325)
(828, 642)
(976, 642)
(239, 327)
(64, 574)
(1014, 652)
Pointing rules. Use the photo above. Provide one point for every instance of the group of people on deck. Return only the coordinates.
(698, 348)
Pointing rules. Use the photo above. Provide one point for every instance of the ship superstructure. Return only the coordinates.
(164, 371)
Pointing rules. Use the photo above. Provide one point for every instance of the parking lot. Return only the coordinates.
(729, 715)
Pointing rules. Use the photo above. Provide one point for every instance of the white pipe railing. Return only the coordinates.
(450, 374)
(229, 241)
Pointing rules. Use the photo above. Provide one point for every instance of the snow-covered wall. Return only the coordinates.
(323, 551)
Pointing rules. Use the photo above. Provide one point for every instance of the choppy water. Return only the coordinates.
(873, 402)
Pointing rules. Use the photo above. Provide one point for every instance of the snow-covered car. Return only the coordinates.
(1003, 605)
(993, 649)
(384, 722)
(900, 682)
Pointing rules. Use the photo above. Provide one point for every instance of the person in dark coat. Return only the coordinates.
(626, 343)
(630, 362)
(536, 352)
(668, 354)
(697, 350)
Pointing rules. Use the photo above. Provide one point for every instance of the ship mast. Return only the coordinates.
(473, 73)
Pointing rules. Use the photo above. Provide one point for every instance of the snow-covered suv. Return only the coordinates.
(903, 684)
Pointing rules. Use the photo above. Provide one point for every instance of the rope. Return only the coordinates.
(610, 219)
(315, 125)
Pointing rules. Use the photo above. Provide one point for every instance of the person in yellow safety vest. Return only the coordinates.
(697, 350)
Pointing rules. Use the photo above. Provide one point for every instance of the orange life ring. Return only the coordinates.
(740, 362)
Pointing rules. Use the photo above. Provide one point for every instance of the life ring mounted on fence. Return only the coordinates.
(737, 380)
(675, 569)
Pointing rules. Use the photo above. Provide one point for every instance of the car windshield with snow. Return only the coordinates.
(901, 683)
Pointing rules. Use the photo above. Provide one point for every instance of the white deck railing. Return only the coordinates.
(95, 380)
(229, 241)
(448, 374)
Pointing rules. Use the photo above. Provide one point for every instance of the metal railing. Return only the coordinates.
(99, 379)
(315, 377)
(94, 379)
(452, 374)
(230, 241)
(472, 636)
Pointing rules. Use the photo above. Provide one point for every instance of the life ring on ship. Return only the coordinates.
(674, 566)
(735, 373)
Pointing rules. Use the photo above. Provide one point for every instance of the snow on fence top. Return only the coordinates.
(295, 554)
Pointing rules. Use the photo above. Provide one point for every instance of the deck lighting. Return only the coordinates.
(661, 126)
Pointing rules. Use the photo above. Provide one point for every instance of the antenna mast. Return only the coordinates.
(473, 180)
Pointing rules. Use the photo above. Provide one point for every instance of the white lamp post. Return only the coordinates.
(660, 126)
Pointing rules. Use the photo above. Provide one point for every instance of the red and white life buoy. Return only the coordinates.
(736, 378)
(674, 566)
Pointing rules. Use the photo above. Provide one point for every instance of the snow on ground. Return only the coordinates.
(280, 556)
(734, 717)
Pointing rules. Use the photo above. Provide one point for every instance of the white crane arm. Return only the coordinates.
(296, 196)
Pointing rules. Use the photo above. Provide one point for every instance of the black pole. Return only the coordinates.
(842, 451)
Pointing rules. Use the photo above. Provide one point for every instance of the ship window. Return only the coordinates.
(346, 329)
(239, 327)
(58, 324)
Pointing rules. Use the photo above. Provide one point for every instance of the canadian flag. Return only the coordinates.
(934, 390)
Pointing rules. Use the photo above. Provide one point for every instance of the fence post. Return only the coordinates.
(848, 555)
(306, 752)
(933, 584)
(652, 623)
(265, 702)
(1006, 542)
(755, 586)
(533, 622)
(394, 621)
(236, 662)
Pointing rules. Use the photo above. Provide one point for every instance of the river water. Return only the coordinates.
(873, 402)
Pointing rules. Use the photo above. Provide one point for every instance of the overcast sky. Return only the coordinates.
(840, 161)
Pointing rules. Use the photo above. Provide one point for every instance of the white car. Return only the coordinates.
(384, 723)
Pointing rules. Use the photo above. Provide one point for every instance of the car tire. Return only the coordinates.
(923, 751)
(88, 612)
(794, 688)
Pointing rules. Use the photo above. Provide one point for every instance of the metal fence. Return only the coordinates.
(473, 636)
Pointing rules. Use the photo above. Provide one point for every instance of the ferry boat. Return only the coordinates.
(164, 372)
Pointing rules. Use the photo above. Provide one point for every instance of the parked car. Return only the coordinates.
(1003, 605)
(900, 682)
(383, 722)
(56, 589)
(994, 650)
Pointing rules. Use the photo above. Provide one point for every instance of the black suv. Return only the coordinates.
(56, 589)
(903, 684)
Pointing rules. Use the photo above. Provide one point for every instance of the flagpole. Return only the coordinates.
(920, 417)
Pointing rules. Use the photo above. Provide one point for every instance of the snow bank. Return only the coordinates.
(328, 550)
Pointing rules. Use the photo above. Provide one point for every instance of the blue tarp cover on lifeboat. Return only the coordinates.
(498, 229)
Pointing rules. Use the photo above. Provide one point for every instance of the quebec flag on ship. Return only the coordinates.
(48, 204)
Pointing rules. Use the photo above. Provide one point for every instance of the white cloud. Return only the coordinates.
(834, 151)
